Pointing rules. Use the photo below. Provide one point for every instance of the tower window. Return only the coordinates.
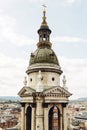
(44, 39)
(31, 79)
(53, 78)
(42, 78)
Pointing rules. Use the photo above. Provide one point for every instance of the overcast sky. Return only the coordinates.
(19, 22)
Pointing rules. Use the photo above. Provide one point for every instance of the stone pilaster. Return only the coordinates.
(64, 117)
(33, 119)
(33, 116)
(61, 119)
(46, 118)
(39, 114)
(23, 116)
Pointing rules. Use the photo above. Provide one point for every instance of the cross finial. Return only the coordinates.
(44, 6)
(44, 23)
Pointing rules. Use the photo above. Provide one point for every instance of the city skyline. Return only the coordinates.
(19, 22)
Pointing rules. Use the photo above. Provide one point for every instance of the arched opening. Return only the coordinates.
(28, 118)
(54, 118)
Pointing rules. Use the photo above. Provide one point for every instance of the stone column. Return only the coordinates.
(46, 117)
(23, 116)
(39, 114)
(33, 117)
(61, 119)
(64, 117)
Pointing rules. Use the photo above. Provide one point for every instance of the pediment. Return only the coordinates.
(57, 91)
(26, 91)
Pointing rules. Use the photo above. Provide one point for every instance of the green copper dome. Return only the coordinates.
(43, 55)
(44, 58)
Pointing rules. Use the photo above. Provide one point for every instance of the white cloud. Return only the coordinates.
(37, 1)
(12, 72)
(55, 2)
(76, 74)
(70, 2)
(20, 40)
(58, 1)
(8, 32)
(69, 39)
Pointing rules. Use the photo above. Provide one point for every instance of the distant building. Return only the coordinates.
(9, 115)
(77, 116)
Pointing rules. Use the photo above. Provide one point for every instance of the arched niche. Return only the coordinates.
(28, 118)
(54, 118)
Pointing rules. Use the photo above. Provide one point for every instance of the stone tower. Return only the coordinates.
(43, 101)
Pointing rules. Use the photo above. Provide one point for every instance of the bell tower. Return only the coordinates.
(44, 33)
(44, 101)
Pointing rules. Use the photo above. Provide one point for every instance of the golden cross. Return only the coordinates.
(44, 6)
